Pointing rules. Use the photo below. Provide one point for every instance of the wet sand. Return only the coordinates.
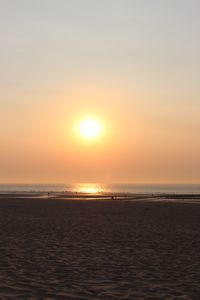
(65, 249)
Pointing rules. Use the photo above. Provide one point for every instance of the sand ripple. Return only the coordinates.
(99, 250)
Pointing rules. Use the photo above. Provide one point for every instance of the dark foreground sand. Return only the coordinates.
(62, 249)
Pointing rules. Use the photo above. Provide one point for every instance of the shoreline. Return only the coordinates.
(125, 197)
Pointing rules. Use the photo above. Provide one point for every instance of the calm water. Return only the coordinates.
(95, 188)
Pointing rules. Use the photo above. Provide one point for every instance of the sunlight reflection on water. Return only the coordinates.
(89, 188)
(95, 188)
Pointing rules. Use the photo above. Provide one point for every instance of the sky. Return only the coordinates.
(133, 65)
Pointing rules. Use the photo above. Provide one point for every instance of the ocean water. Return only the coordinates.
(96, 188)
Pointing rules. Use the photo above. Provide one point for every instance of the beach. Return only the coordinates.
(99, 249)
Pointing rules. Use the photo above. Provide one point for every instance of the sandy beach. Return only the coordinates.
(65, 249)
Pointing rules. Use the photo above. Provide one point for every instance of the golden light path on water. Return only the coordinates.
(89, 188)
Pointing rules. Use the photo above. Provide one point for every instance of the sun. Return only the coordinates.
(89, 128)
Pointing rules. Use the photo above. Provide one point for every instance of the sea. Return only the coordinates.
(106, 188)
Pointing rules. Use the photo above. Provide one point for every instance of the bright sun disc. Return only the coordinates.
(89, 128)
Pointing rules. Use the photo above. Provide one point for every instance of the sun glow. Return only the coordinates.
(89, 128)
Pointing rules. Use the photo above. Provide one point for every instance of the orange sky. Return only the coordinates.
(133, 67)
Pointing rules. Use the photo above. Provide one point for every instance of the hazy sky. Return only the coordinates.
(132, 64)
